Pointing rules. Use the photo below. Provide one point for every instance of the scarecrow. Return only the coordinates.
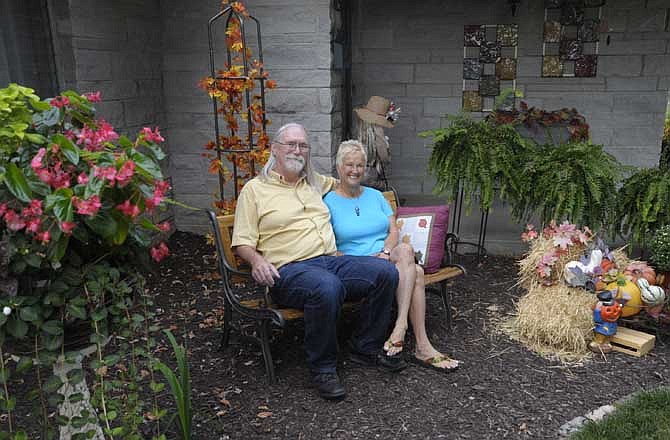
(606, 312)
(378, 113)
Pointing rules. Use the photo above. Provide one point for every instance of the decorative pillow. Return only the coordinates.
(425, 228)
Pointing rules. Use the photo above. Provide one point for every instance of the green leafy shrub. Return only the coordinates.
(479, 156)
(659, 248)
(574, 181)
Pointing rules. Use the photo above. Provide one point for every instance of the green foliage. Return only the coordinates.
(642, 205)
(479, 156)
(180, 385)
(644, 416)
(575, 182)
(659, 248)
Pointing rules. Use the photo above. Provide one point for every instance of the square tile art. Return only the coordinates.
(472, 68)
(570, 49)
(489, 52)
(552, 31)
(552, 66)
(506, 68)
(586, 66)
(473, 35)
(472, 101)
(489, 85)
(508, 34)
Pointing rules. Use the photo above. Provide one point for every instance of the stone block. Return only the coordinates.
(132, 65)
(616, 20)
(635, 47)
(617, 119)
(140, 112)
(639, 156)
(433, 90)
(656, 65)
(399, 73)
(291, 101)
(299, 78)
(322, 165)
(529, 67)
(93, 65)
(444, 56)
(399, 56)
(602, 136)
(438, 73)
(424, 123)
(664, 83)
(389, 90)
(297, 56)
(183, 84)
(97, 24)
(327, 100)
(620, 65)
(376, 38)
(617, 84)
(289, 19)
(443, 37)
(195, 28)
(626, 136)
(111, 45)
(185, 61)
(646, 19)
(553, 85)
(584, 103)
(183, 140)
(189, 173)
(321, 142)
(196, 121)
(110, 90)
(150, 87)
(441, 106)
(640, 102)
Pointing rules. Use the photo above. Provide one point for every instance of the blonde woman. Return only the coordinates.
(364, 224)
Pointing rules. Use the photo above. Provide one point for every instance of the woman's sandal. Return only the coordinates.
(393, 348)
(433, 362)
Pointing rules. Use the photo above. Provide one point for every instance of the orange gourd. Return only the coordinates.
(607, 265)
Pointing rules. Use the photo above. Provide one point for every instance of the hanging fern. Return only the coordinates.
(480, 157)
(643, 204)
(574, 181)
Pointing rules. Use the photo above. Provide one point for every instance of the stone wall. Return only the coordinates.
(296, 39)
(413, 55)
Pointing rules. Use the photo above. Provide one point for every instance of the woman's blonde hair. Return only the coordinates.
(350, 146)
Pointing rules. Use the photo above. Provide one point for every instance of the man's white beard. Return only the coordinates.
(295, 164)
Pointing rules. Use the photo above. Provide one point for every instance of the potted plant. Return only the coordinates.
(576, 181)
(478, 156)
(76, 208)
(659, 250)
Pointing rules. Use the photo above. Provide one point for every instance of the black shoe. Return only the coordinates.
(329, 386)
(382, 360)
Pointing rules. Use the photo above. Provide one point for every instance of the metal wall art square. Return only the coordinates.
(586, 66)
(570, 49)
(552, 31)
(506, 68)
(473, 35)
(489, 52)
(472, 101)
(489, 85)
(472, 68)
(508, 34)
(589, 30)
(552, 66)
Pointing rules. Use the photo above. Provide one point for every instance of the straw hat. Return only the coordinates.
(375, 111)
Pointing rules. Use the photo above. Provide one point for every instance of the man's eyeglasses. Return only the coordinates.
(293, 145)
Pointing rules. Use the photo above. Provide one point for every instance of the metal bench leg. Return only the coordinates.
(264, 332)
(227, 324)
(447, 304)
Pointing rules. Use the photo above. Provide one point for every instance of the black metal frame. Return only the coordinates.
(480, 250)
(230, 13)
(263, 317)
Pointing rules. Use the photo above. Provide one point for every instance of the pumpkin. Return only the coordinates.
(634, 304)
(606, 264)
(610, 313)
(640, 270)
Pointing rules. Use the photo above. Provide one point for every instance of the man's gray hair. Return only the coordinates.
(308, 170)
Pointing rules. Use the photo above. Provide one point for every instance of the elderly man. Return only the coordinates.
(282, 229)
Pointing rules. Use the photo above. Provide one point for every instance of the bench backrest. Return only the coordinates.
(392, 198)
(225, 223)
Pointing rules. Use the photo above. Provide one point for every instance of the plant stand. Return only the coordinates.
(480, 250)
(70, 409)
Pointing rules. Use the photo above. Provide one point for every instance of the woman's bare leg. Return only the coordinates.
(403, 257)
(417, 316)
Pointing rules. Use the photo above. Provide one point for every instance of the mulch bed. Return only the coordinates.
(502, 390)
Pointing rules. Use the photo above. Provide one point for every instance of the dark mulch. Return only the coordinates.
(501, 391)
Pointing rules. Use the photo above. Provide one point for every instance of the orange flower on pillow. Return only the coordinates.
(423, 223)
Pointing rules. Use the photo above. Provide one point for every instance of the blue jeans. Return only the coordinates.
(320, 285)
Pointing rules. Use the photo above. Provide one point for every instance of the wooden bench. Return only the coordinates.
(255, 305)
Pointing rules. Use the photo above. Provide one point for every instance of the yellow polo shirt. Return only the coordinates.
(284, 223)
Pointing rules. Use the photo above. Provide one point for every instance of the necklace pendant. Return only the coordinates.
(358, 211)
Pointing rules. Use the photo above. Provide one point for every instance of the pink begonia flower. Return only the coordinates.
(59, 178)
(88, 207)
(33, 225)
(126, 173)
(67, 227)
(152, 136)
(3, 209)
(34, 209)
(69, 134)
(159, 252)
(165, 226)
(106, 132)
(60, 101)
(14, 221)
(36, 163)
(44, 237)
(54, 148)
(129, 209)
(93, 96)
(160, 188)
(105, 173)
(92, 139)
(82, 179)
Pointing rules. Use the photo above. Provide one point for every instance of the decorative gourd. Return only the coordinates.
(630, 289)
(640, 270)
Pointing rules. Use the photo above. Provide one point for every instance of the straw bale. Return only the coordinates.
(528, 266)
(556, 317)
